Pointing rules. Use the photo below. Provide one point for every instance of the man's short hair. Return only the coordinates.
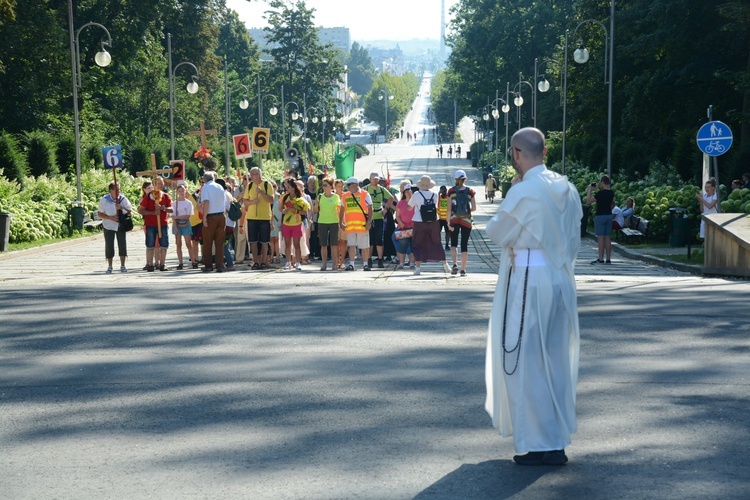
(605, 180)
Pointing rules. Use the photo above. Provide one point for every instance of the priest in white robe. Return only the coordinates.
(533, 342)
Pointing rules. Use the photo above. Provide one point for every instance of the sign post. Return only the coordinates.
(113, 159)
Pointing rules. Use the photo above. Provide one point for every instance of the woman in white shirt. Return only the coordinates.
(425, 242)
(708, 201)
(110, 207)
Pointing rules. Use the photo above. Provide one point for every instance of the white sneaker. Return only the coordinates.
(287, 266)
(446, 267)
(297, 267)
(123, 269)
(109, 270)
(417, 271)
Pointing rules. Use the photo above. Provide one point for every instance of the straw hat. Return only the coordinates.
(425, 183)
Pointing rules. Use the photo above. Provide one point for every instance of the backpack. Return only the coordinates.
(235, 211)
(461, 203)
(428, 210)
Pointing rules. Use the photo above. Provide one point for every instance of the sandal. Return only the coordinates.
(179, 267)
(255, 267)
(263, 266)
(323, 268)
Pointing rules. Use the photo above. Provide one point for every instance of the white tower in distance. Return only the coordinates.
(442, 32)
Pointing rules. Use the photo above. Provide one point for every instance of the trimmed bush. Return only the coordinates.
(12, 161)
(66, 155)
(40, 154)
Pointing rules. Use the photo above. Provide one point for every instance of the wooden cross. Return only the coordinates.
(154, 173)
(203, 132)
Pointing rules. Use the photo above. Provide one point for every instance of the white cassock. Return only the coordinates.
(531, 383)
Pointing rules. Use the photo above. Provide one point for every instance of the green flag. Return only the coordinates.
(344, 162)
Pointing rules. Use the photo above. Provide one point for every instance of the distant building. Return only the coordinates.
(388, 60)
(338, 37)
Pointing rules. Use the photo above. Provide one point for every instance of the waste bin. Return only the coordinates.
(505, 187)
(4, 231)
(77, 215)
(468, 155)
(585, 219)
(678, 219)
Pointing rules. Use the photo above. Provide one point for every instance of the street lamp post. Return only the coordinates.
(102, 59)
(385, 98)
(192, 88)
(244, 103)
(518, 100)
(272, 110)
(581, 56)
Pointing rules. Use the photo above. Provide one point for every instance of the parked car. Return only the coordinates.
(355, 131)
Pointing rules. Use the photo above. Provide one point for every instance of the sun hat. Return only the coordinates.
(425, 182)
(460, 174)
(352, 180)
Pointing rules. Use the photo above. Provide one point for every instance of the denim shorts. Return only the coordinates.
(603, 225)
(152, 234)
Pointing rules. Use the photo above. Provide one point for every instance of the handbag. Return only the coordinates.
(126, 221)
(403, 233)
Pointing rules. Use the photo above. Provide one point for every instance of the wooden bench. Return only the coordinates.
(92, 221)
(637, 230)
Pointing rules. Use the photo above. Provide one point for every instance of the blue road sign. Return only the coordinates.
(714, 138)
(112, 156)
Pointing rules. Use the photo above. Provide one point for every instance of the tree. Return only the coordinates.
(361, 69)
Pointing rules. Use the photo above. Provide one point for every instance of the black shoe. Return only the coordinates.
(380, 264)
(597, 261)
(608, 261)
(150, 269)
(207, 269)
(369, 262)
(553, 457)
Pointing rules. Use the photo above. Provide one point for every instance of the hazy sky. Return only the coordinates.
(366, 19)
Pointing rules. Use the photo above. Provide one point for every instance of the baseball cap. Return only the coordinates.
(460, 174)
(374, 175)
(352, 180)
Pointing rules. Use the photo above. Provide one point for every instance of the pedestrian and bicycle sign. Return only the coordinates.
(714, 138)
(112, 156)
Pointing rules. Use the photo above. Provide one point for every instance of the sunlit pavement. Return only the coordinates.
(309, 384)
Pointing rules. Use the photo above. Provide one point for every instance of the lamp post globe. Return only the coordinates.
(192, 87)
(518, 100)
(274, 110)
(543, 85)
(505, 108)
(581, 55)
(244, 103)
(102, 58)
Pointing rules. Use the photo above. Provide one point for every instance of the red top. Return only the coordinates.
(148, 204)
(407, 214)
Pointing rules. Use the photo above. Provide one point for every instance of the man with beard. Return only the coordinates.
(533, 342)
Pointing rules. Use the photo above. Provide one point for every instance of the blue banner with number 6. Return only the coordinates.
(112, 156)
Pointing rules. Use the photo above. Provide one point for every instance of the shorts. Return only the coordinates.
(328, 234)
(197, 231)
(258, 231)
(151, 234)
(291, 231)
(182, 231)
(359, 240)
(376, 232)
(603, 225)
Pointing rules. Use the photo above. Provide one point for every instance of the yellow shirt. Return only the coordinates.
(261, 210)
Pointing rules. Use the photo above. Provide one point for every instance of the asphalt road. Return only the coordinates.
(353, 385)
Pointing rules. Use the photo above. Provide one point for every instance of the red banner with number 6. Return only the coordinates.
(242, 147)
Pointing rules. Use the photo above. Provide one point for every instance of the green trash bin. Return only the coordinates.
(678, 218)
(4, 231)
(77, 215)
